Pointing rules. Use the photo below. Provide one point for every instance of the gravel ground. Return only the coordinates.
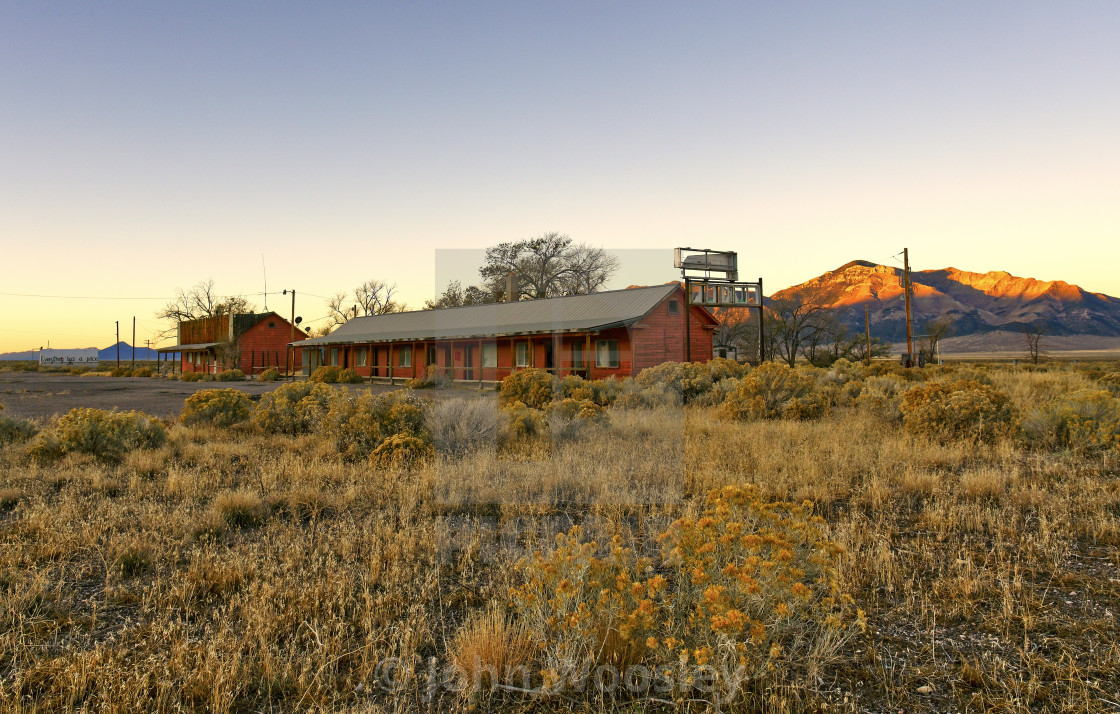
(32, 395)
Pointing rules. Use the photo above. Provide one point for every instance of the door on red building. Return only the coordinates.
(468, 363)
(548, 355)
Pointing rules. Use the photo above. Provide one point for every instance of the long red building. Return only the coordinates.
(614, 333)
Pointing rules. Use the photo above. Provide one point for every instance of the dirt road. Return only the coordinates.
(32, 395)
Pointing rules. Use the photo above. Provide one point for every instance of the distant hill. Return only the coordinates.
(104, 355)
(977, 303)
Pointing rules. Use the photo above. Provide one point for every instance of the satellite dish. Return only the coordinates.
(298, 319)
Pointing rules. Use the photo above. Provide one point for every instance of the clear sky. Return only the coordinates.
(148, 146)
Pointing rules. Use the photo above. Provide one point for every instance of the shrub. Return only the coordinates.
(219, 407)
(349, 376)
(418, 383)
(755, 585)
(587, 610)
(775, 390)
(108, 436)
(576, 409)
(1086, 420)
(687, 379)
(1110, 381)
(568, 418)
(601, 391)
(359, 425)
(747, 584)
(9, 498)
(230, 375)
(461, 425)
(271, 375)
(296, 408)
(719, 392)
(239, 509)
(15, 431)
(632, 395)
(962, 410)
(524, 422)
(121, 372)
(326, 374)
(534, 388)
(142, 372)
(401, 451)
(882, 397)
(190, 377)
(491, 648)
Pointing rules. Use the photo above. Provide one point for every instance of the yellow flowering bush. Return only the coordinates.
(587, 610)
(535, 388)
(1086, 420)
(401, 451)
(576, 409)
(755, 585)
(748, 590)
(327, 374)
(524, 422)
(601, 391)
(106, 435)
(219, 407)
(964, 409)
(360, 424)
(772, 391)
(881, 396)
(296, 408)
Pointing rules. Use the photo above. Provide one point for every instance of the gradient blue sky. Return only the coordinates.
(145, 147)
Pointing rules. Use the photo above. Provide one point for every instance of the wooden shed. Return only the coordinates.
(251, 342)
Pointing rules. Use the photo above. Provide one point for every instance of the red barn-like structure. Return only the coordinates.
(251, 342)
(614, 333)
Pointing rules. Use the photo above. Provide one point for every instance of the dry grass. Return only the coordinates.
(250, 572)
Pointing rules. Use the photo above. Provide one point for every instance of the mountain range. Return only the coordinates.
(976, 303)
(104, 355)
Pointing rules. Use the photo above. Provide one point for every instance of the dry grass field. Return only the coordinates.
(784, 541)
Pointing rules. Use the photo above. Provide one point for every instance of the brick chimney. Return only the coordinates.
(513, 288)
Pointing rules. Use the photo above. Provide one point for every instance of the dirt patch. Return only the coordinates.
(30, 395)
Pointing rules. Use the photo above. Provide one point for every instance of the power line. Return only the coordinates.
(104, 297)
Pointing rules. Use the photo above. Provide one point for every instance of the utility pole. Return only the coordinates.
(761, 325)
(118, 344)
(867, 333)
(292, 322)
(906, 286)
(134, 342)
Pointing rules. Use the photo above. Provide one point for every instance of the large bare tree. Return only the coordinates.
(373, 297)
(548, 266)
(796, 322)
(455, 295)
(198, 302)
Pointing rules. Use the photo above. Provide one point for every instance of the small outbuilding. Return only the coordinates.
(251, 342)
(614, 333)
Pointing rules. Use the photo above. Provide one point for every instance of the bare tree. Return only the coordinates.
(936, 330)
(589, 269)
(1033, 333)
(373, 297)
(455, 295)
(548, 266)
(198, 302)
(795, 322)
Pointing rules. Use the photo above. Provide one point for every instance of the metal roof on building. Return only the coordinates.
(188, 348)
(576, 313)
